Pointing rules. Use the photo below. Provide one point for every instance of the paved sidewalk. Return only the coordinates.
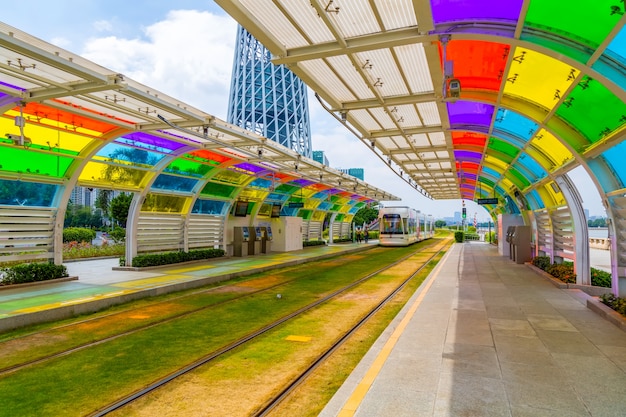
(487, 337)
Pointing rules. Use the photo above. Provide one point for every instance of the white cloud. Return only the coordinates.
(187, 56)
(103, 26)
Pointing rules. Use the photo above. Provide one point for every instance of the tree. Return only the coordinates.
(103, 200)
(365, 215)
(120, 206)
(440, 223)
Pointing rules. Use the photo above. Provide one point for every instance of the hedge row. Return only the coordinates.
(78, 234)
(167, 258)
(31, 272)
(565, 272)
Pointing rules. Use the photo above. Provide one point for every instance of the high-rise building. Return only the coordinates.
(268, 99)
(355, 172)
(320, 157)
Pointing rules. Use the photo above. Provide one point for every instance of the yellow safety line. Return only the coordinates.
(353, 402)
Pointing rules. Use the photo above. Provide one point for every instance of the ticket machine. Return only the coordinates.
(509, 239)
(254, 244)
(266, 241)
(521, 244)
(241, 241)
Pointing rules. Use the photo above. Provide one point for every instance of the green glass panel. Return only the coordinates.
(218, 190)
(287, 189)
(593, 110)
(587, 23)
(503, 147)
(517, 178)
(163, 203)
(21, 160)
(580, 55)
(486, 181)
(188, 168)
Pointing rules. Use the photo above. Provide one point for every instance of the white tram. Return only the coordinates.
(402, 226)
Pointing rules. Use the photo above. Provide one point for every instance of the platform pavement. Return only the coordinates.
(484, 336)
(99, 286)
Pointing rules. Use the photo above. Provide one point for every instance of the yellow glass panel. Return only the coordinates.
(165, 203)
(546, 197)
(253, 195)
(506, 183)
(538, 78)
(230, 177)
(345, 209)
(495, 163)
(112, 176)
(44, 136)
(551, 148)
(555, 196)
(311, 204)
(319, 216)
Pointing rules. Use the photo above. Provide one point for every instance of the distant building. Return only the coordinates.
(457, 217)
(320, 157)
(355, 172)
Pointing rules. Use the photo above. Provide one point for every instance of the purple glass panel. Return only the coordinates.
(301, 182)
(445, 11)
(150, 142)
(465, 155)
(15, 87)
(250, 167)
(470, 113)
(333, 191)
(470, 176)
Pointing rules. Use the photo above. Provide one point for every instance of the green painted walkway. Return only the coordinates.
(99, 285)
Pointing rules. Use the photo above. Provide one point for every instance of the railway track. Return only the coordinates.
(272, 403)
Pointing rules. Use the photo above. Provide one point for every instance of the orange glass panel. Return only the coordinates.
(479, 65)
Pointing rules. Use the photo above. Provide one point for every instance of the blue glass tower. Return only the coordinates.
(268, 99)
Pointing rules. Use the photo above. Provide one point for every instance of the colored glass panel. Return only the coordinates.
(517, 178)
(230, 177)
(253, 195)
(467, 113)
(52, 117)
(593, 110)
(46, 138)
(287, 188)
(510, 123)
(188, 168)
(24, 193)
(123, 154)
(468, 140)
(213, 207)
(615, 158)
(531, 166)
(112, 176)
(174, 183)
(467, 156)
(261, 183)
(21, 160)
(551, 148)
(562, 20)
(149, 142)
(164, 203)
(249, 169)
(218, 190)
(476, 11)
(503, 148)
(208, 157)
(478, 65)
(538, 78)
(612, 62)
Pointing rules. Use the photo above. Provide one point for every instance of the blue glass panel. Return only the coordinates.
(495, 175)
(218, 208)
(261, 183)
(512, 207)
(511, 123)
(532, 166)
(289, 211)
(31, 194)
(615, 158)
(612, 62)
(325, 206)
(137, 157)
(170, 182)
(534, 200)
(275, 197)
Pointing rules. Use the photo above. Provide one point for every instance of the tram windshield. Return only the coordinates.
(391, 224)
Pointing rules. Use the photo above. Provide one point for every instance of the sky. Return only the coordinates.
(185, 48)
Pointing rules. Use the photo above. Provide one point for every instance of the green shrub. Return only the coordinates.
(564, 272)
(313, 243)
(118, 234)
(616, 303)
(600, 278)
(458, 236)
(167, 258)
(78, 234)
(541, 262)
(31, 272)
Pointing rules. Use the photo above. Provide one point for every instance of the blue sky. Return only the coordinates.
(184, 48)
